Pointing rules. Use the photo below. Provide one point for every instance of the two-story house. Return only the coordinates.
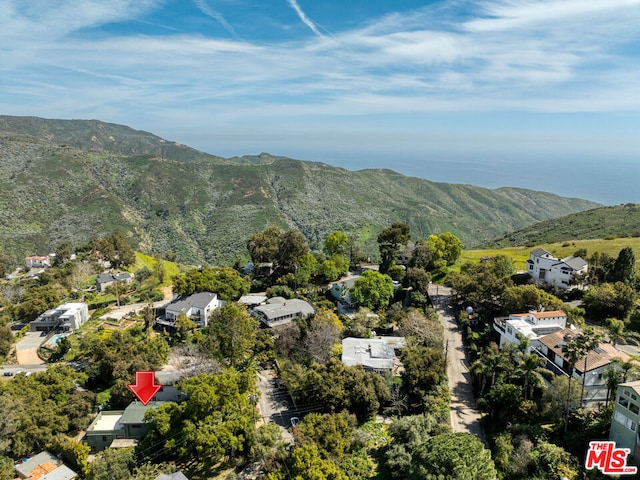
(544, 267)
(532, 325)
(590, 368)
(67, 317)
(626, 418)
(197, 307)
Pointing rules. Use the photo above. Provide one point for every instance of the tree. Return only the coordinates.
(452, 247)
(530, 369)
(573, 351)
(64, 250)
(610, 300)
(336, 243)
(526, 298)
(590, 340)
(228, 283)
(292, 248)
(421, 330)
(424, 369)
(113, 464)
(263, 246)
(6, 264)
(449, 456)
(115, 249)
(231, 335)
(390, 240)
(332, 433)
(323, 335)
(373, 290)
(624, 268)
(425, 256)
(417, 278)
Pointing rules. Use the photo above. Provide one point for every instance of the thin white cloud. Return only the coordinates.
(217, 16)
(306, 20)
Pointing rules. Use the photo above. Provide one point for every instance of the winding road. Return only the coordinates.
(465, 417)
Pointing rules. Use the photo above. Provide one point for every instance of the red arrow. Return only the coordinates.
(145, 387)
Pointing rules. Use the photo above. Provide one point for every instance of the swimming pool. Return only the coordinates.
(55, 339)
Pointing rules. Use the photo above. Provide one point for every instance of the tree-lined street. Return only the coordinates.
(464, 415)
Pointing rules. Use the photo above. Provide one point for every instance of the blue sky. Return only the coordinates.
(543, 94)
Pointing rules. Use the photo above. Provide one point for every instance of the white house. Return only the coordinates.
(532, 325)
(68, 317)
(197, 307)
(37, 262)
(597, 361)
(543, 266)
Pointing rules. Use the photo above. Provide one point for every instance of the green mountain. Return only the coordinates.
(78, 178)
(603, 222)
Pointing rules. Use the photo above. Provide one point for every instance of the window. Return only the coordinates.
(509, 330)
(624, 420)
(634, 408)
(624, 402)
(634, 396)
(104, 438)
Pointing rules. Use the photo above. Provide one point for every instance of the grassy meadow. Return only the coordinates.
(559, 249)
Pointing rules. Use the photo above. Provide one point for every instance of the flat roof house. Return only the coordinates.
(197, 307)
(44, 466)
(113, 425)
(532, 325)
(279, 311)
(67, 317)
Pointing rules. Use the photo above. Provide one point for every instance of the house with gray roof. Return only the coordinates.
(376, 354)
(113, 425)
(173, 476)
(280, 311)
(106, 279)
(44, 466)
(542, 266)
(197, 307)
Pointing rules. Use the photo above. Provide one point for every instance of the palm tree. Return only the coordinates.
(590, 340)
(490, 363)
(628, 368)
(573, 351)
(530, 368)
(613, 378)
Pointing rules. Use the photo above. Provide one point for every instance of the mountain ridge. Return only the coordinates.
(76, 178)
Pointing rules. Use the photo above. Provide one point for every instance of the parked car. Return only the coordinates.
(7, 374)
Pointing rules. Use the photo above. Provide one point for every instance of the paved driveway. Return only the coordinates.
(464, 415)
(27, 349)
(275, 403)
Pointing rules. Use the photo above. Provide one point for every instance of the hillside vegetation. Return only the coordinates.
(76, 179)
(563, 249)
(603, 222)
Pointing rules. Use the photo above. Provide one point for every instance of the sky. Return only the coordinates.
(540, 94)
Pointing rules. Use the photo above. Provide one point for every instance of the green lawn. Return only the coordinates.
(559, 249)
(142, 260)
